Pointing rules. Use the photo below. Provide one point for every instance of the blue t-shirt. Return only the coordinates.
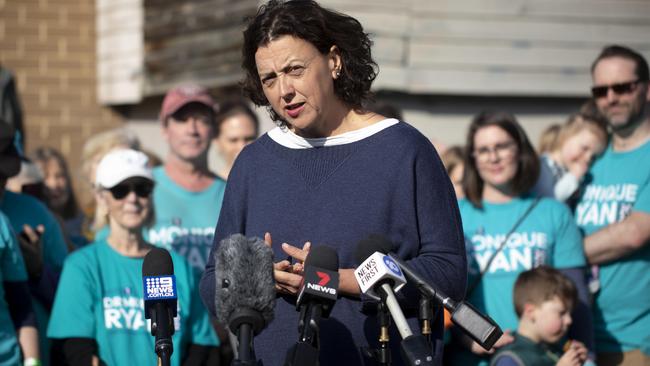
(185, 220)
(619, 184)
(547, 236)
(12, 268)
(100, 296)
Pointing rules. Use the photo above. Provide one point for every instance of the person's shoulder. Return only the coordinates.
(253, 152)
(85, 257)
(549, 204)
(408, 135)
(506, 357)
(464, 203)
(25, 202)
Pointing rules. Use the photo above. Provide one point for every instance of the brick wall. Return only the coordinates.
(50, 47)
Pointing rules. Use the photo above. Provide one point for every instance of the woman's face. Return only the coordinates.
(129, 202)
(57, 188)
(298, 82)
(235, 132)
(495, 154)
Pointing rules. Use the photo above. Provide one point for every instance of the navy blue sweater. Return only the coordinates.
(391, 183)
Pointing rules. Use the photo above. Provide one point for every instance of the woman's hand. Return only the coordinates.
(288, 277)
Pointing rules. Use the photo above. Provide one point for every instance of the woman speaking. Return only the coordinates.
(332, 173)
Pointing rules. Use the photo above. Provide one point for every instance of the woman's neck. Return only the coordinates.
(494, 194)
(128, 242)
(343, 119)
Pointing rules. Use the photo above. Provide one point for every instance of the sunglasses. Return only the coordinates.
(620, 88)
(141, 190)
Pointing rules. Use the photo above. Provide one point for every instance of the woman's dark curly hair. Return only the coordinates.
(321, 27)
(527, 160)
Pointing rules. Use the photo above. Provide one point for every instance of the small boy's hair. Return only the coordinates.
(541, 284)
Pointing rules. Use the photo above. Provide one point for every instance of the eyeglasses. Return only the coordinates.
(619, 88)
(141, 190)
(504, 150)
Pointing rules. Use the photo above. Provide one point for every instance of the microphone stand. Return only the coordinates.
(383, 353)
(305, 351)
(425, 315)
(246, 322)
(162, 328)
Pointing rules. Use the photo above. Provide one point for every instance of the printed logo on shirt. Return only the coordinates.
(192, 243)
(523, 251)
(605, 204)
(125, 312)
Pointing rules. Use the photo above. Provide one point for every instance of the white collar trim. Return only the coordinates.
(286, 138)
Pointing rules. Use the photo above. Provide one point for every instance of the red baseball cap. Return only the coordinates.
(182, 95)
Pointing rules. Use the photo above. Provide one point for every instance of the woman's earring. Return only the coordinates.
(338, 74)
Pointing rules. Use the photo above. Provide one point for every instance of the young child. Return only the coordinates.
(563, 166)
(543, 300)
(452, 159)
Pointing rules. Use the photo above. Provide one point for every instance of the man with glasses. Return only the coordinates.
(614, 210)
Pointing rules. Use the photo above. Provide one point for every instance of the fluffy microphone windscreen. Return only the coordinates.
(371, 244)
(324, 257)
(157, 262)
(244, 277)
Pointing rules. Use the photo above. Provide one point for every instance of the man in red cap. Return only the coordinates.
(187, 196)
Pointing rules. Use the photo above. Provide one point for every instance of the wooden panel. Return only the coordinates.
(389, 50)
(183, 17)
(424, 54)
(497, 82)
(529, 30)
(193, 40)
(625, 10)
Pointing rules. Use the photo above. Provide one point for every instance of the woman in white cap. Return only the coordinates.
(98, 313)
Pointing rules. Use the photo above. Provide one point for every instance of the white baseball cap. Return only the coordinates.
(122, 164)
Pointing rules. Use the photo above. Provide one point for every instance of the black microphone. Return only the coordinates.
(316, 298)
(245, 290)
(160, 300)
(379, 275)
(481, 328)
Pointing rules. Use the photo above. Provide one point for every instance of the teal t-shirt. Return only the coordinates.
(12, 268)
(619, 184)
(25, 209)
(547, 236)
(185, 221)
(100, 296)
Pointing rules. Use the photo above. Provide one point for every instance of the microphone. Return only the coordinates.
(160, 300)
(379, 276)
(481, 328)
(245, 290)
(316, 298)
